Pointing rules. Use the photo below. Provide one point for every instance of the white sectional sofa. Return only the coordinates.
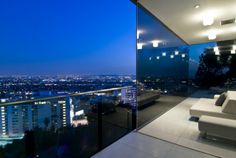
(219, 127)
(219, 121)
(207, 107)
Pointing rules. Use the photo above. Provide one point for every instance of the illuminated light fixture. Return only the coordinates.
(234, 47)
(150, 58)
(158, 57)
(140, 46)
(216, 49)
(176, 52)
(233, 51)
(171, 56)
(155, 44)
(183, 55)
(207, 20)
(196, 6)
(164, 54)
(217, 52)
(138, 34)
(212, 35)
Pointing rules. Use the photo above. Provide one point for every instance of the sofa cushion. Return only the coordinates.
(229, 105)
(204, 106)
(220, 100)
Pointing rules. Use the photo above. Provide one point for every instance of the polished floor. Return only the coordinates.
(136, 145)
(123, 116)
(159, 107)
(175, 127)
(171, 135)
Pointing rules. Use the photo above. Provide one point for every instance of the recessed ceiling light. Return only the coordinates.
(211, 35)
(216, 49)
(155, 43)
(196, 6)
(207, 20)
(164, 54)
(234, 47)
(158, 57)
(183, 55)
(176, 52)
(217, 52)
(138, 34)
(140, 46)
(171, 56)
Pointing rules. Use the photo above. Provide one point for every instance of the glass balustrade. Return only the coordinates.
(75, 125)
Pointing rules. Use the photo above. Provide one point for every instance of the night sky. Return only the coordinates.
(53, 37)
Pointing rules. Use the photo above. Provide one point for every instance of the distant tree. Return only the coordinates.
(2, 153)
(232, 67)
(213, 70)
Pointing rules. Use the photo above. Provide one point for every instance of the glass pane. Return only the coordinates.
(186, 92)
(162, 68)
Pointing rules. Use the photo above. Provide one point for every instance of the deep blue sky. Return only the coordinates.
(67, 37)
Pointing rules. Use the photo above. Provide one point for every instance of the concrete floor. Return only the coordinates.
(175, 127)
(136, 145)
(171, 135)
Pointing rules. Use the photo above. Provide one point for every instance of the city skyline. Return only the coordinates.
(53, 38)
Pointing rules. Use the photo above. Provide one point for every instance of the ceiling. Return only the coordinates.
(152, 29)
(181, 17)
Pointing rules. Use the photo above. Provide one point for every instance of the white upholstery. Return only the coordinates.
(207, 107)
(229, 105)
(225, 128)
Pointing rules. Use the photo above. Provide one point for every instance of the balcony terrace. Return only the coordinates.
(186, 52)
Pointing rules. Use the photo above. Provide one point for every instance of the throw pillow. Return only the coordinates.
(221, 99)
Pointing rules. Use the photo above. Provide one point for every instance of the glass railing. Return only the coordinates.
(69, 126)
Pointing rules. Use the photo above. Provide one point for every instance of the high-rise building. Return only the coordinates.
(128, 95)
(48, 115)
